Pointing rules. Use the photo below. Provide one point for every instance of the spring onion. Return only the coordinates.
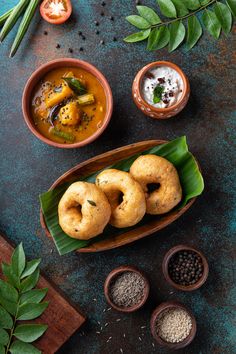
(63, 135)
(86, 99)
(13, 17)
(29, 13)
(5, 16)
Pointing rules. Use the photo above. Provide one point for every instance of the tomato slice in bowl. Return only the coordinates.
(56, 11)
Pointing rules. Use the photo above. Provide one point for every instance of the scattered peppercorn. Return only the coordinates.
(45, 33)
(114, 39)
(80, 33)
(58, 46)
(84, 38)
(137, 2)
(97, 32)
(103, 3)
(185, 268)
(111, 18)
(81, 49)
(102, 14)
(70, 50)
(102, 42)
(96, 23)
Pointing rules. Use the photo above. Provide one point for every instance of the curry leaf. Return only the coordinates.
(177, 34)
(8, 305)
(157, 94)
(180, 8)
(76, 85)
(224, 16)
(204, 2)
(8, 292)
(33, 296)
(211, 23)
(28, 333)
(18, 260)
(149, 14)
(167, 8)
(19, 347)
(192, 4)
(138, 21)
(194, 31)
(158, 38)
(30, 282)
(137, 37)
(31, 311)
(9, 274)
(2, 349)
(5, 319)
(30, 267)
(232, 5)
(4, 337)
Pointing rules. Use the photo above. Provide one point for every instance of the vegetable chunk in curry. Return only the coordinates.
(68, 105)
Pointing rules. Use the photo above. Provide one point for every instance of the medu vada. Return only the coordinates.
(157, 172)
(83, 211)
(125, 196)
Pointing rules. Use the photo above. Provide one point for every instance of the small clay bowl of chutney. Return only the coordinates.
(126, 275)
(185, 268)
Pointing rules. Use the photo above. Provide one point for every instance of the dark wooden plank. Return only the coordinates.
(62, 318)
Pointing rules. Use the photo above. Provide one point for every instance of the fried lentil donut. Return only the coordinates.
(83, 211)
(152, 169)
(125, 196)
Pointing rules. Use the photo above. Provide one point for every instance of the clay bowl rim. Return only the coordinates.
(113, 274)
(165, 264)
(171, 305)
(40, 73)
(173, 66)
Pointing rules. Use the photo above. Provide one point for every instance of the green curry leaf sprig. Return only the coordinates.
(181, 22)
(19, 301)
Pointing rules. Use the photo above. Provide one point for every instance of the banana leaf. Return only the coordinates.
(175, 151)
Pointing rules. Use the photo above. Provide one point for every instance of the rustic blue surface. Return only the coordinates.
(29, 167)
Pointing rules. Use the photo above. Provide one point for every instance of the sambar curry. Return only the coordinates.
(68, 105)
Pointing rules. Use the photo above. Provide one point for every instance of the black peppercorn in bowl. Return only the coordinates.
(126, 289)
(185, 268)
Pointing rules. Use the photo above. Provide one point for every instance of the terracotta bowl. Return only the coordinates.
(40, 73)
(111, 277)
(165, 265)
(167, 306)
(149, 110)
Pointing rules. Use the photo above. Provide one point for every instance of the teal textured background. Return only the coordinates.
(28, 167)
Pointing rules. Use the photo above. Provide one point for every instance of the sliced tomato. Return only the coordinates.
(56, 11)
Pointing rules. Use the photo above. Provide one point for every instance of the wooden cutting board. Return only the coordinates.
(62, 318)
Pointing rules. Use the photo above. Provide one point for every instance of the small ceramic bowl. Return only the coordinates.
(165, 265)
(165, 306)
(40, 73)
(149, 110)
(111, 277)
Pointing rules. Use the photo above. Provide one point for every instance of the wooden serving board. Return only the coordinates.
(62, 318)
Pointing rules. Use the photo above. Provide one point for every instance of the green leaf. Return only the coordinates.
(192, 4)
(232, 6)
(8, 292)
(211, 23)
(18, 260)
(158, 38)
(204, 2)
(167, 8)
(194, 31)
(5, 319)
(180, 8)
(2, 350)
(138, 21)
(30, 332)
(8, 305)
(31, 311)
(157, 94)
(9, 274)
(149, 14)
(137, 37)
(30, 282)
(33, 296)
(30, 267)
(224, 16)
(19, 347)
(175, 151)
(76, 85)
(4, 337)
(177, 34)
